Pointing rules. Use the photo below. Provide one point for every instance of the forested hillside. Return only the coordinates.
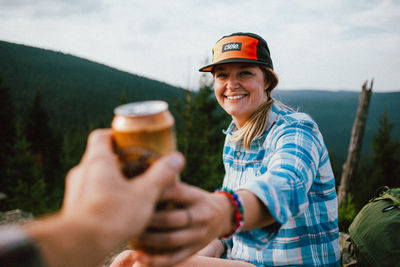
(76, 92)
(50, 101)
(335, 113)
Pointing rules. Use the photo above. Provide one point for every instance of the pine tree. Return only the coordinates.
(46, 148)
(27, 188)
(7, 122)
(386, 153)
(7, 136)
(383, 168)
(201, 138)
(38, 130)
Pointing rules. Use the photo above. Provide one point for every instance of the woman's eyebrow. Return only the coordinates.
(245, 66)
(219, 69)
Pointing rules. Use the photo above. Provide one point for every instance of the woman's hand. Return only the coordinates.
(214, 249)
(174, 235)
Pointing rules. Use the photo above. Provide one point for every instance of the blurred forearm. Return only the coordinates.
(69, 242)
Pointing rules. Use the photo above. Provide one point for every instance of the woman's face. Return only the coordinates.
(240, 89)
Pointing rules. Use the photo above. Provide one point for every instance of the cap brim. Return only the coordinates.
(210, 67)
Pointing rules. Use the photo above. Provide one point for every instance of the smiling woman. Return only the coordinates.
(278, 203)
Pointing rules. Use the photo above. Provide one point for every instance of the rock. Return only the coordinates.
(14, 217)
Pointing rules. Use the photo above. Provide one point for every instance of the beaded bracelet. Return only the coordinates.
(238, 207)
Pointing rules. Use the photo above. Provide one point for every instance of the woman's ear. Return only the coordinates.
(267, 86)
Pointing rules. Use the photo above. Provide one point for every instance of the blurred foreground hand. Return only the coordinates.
(102, 209)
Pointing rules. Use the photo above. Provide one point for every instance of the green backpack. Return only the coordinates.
(375, 231)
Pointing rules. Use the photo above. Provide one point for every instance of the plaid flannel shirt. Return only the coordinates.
(288, 169)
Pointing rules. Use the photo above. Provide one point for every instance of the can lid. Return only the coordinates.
(141, 108)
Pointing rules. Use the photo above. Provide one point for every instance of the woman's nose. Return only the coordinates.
(232, 82)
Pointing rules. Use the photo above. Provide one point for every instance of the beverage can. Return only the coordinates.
(142, 131)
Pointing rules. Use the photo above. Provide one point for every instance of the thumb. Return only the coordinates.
(183, 193)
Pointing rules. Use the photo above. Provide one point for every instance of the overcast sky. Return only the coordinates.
(315, 44)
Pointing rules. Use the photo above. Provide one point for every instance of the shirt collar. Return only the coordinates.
(272, 117)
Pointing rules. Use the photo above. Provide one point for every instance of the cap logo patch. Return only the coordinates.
(231, 47)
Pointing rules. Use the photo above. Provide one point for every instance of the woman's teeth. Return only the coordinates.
(235, 97)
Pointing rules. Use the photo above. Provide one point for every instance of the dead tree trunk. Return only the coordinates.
(357, 135)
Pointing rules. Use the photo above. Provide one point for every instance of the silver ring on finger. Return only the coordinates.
(189, 218)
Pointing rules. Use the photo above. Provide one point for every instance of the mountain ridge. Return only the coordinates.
(80, 93)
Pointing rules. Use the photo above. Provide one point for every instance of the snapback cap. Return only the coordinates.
(240, 48)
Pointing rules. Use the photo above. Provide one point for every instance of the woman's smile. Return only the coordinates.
(235, 97)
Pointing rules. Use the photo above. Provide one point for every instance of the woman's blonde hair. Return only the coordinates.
(257, 122)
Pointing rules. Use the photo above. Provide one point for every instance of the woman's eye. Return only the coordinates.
(244, 73)
(221, 75)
